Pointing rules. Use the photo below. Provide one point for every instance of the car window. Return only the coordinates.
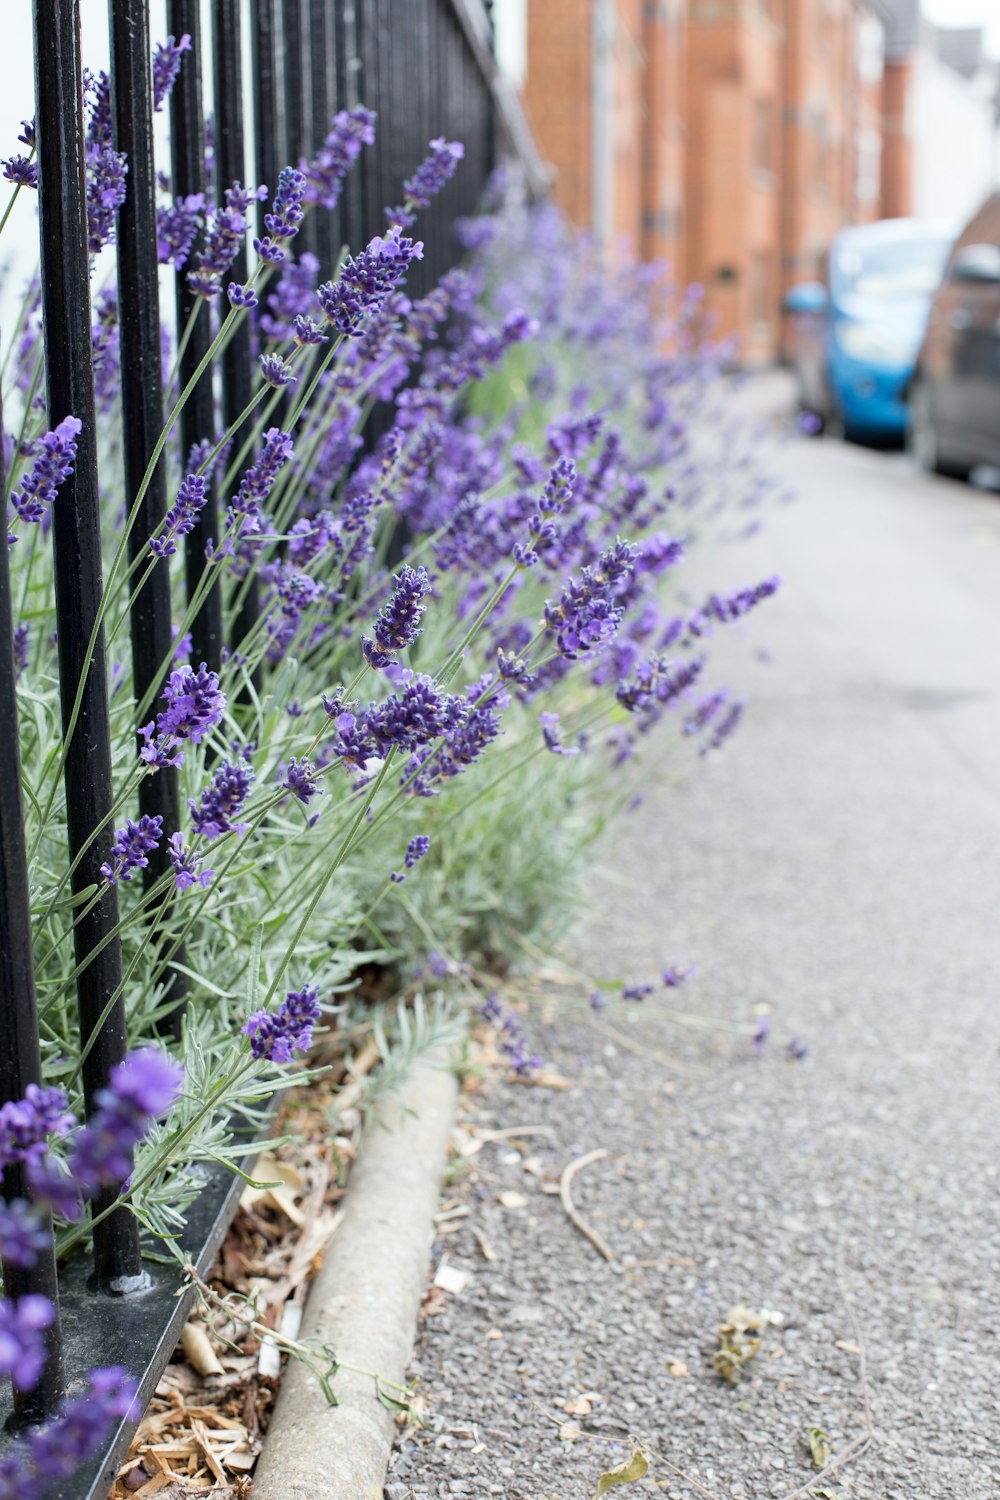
(890, 270)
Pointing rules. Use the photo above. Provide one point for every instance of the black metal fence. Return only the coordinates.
(426, 67)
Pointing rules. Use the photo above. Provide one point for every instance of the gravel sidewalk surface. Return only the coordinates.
(838, 864)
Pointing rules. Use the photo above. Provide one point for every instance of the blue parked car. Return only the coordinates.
(854, 342)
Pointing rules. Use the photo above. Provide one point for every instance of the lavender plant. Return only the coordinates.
(395, 755)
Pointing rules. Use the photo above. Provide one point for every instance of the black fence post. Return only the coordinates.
(76, 530)
(197, 420)
(321, 83)
(142, 400)
(265, 38)
(298, 102)
(20, 1060)
(230, 158)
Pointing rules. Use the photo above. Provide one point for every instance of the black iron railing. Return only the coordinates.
(426, 67)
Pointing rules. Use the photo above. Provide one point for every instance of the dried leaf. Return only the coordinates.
(637, 1467)
(819, 1447)
(678, 1369)
(198, 1351)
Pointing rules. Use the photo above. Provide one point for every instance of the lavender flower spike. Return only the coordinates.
(397, 625)
(276, 1035)
(350, 130)
(428, 180)
(166, 65)
(53, 466)
(56, 1450)
(366, 280)
(22, 1345)
(140, 1089)
(22, 1234)
(131, 846)
(222, 800)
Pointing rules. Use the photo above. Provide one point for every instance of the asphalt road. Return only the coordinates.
(839, 866)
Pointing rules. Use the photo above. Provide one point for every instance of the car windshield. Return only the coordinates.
(892, 270)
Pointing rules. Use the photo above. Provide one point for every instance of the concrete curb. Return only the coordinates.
(364, 1303)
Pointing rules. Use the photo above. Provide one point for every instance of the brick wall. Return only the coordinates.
(745, 134)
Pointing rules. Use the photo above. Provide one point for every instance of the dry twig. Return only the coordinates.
(572, 1213)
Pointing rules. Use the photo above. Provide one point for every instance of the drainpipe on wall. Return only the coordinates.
(603, 141)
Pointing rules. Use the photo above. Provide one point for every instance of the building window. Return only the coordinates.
(871, 49)
(763, 136)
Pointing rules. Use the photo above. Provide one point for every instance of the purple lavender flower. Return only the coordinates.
(299, 778)
(22, 635)
(796, 1050)
(241, 297)
(182, 516)
(552, 735)
(705, 711)
(275, 371)
(22, 1343)
(166, 65)
(276, 1035)
(282, 223)
(366, 280)
(186, 865)
(511, 1039)
(674, 976)
(416, 849)
(587, 616)
(636, 991)
(58, 1449)
(222, 800)
(27, 1123)
(761, 1033)
(21, 170)
(224, 238)
(139, 1090)
(23, 1236)
(307, 333)
(656, 683)
(131, 846)
(258, 481)
(195, 705)
(731, 607)
(106, 170)
(397, 625)
(52, 467)
(724, 727)
(350, 130)
(177, 224)
(428, 180)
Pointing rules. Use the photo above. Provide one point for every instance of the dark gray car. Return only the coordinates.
(954, 395)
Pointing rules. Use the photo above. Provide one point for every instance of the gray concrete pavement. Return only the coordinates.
(840, 863)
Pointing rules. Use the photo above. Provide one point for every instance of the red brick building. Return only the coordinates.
(732, 137)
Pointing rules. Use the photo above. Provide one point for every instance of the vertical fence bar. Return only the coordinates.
(142, 399)
(230, 156)
(321, 84)
(298, 102)
(20, 1060)
(266, 40)
(197, 420)
(76, 529)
